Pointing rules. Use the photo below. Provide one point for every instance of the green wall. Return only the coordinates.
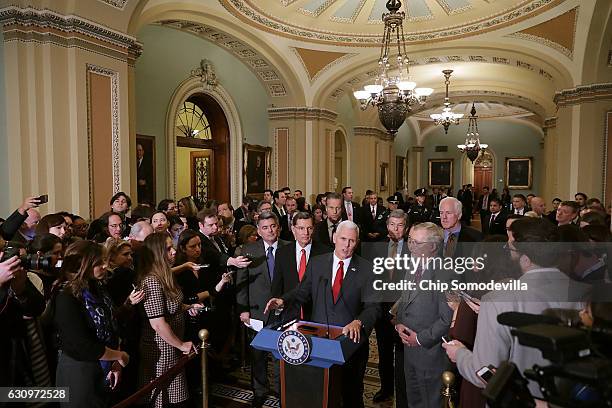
(4, 176)
(346, 114)
(167, 59)
(505, 139)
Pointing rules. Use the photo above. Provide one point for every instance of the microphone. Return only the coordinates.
(325, 281)
(519, 319)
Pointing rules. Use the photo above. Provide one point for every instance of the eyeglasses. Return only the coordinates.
(413, 242)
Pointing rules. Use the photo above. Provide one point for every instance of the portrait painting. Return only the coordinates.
(145, 169)
(384, 177)
(256, 170)
(400, 173)
(440, 172)
(518, 172)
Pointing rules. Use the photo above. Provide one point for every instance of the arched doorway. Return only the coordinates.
(202, 149)
(340, 161)
(483, 172)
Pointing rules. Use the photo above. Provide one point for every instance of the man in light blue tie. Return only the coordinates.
(253, 289)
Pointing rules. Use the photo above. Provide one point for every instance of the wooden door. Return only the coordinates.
(483, 177)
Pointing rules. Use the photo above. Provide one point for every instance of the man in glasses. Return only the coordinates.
(423, 317)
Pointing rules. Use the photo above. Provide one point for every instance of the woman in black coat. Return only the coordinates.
(89, 361)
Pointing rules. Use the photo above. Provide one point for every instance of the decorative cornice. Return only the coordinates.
(118, 4)
(272, 79)
(248, 12)
(46, 26)
(371, 131)
(417, 149)
(583, 93)
(550, 123)
(544, 41)
(304, 113)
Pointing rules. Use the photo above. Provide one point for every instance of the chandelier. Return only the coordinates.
(447, 117)
(392, 92)
(472, 146)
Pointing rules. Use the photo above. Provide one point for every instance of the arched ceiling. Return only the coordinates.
(358, 22)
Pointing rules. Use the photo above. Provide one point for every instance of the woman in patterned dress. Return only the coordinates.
(161, 346)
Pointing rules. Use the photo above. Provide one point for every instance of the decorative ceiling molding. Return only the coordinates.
(583, 94)
(451, 7)
(303, 113)
(270, 77)
(372, 131)
(46, 26)
(317, 62)
(558, 33)
(550, 123)
(118, 4)
(249, 12)
(358, 81)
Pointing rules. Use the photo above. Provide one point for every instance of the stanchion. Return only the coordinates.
(203, 335)
(448, 379)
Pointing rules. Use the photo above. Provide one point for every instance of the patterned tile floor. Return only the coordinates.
(239, 395)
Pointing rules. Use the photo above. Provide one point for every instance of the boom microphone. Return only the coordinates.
(519, 319)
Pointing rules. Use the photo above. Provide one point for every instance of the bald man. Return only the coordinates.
(538, 206)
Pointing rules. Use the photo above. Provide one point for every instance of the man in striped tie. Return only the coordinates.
(340, 286)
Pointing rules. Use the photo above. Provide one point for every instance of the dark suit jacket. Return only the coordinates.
(357, 298)
(9, 228)
(286, 276)
(372, 225)
(211, 255)
(356, 213)
(321, 234)
(499, 224)
(286, 232)
(481, 199)
(427, 313)
(253, 285)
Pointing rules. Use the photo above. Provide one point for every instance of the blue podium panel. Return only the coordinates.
(324, 353)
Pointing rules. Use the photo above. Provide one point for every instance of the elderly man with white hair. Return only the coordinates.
(340, 286)
(454, 231)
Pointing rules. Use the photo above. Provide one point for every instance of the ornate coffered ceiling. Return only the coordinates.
(358, 22)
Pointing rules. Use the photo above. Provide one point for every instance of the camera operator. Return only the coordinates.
(22, 220)
(546, 287)
(18, 298)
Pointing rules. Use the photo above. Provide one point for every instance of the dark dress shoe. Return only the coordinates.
(382, 395)
(258, 402)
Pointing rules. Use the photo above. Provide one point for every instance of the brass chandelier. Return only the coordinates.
(447, 117)
(393, 93)
(472, 146)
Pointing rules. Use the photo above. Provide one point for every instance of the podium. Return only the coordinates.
(318, 381)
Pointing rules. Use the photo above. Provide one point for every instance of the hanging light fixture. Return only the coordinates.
(393, 93)
(447, 117)
(472, 146)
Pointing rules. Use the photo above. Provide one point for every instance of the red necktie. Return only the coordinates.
(302, 269)
(338, 281)
(301, 273)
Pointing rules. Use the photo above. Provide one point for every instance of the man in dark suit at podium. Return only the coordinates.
(339, 284)
(253, 289)
(291, 263)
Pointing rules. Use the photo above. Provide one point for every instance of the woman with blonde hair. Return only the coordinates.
(188, 210)
(164, 323)
(89, 361)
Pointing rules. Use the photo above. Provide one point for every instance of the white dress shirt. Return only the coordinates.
(345, 266)
(298, 253)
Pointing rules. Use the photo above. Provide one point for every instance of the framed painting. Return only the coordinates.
(400, 173)
(384, 177)
(256, 170)
(440, 172)
(519, 173)
(145, 169)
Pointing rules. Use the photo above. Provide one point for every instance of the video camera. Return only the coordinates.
(28, 261)
(580, 370)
